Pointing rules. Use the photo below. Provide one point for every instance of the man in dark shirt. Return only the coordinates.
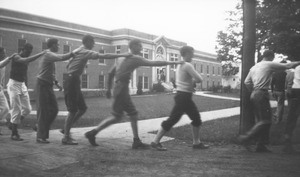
(278, 92)
(17, 89)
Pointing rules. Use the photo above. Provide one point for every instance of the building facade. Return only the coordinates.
(17, 28)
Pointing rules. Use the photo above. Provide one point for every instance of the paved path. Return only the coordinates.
(30, 156)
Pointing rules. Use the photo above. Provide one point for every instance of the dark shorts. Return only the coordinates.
(183, 105)
(73, 96)
(122, 101)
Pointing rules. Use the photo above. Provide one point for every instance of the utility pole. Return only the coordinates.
(248, 54)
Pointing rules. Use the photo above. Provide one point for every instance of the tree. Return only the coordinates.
(278, 26)
(229, 48)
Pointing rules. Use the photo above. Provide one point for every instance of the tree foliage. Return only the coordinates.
(279, 25)
(277, 29)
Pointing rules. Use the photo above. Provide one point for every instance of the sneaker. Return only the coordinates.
(16, 138)
(158, 146)
(68, 141)
(42, 141)
(90, 135)
(200, 146)
(262, 149)
(137, 144)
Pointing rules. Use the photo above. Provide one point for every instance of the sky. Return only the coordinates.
(195, 22)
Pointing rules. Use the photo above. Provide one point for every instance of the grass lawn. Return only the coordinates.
(149, 106)
(224, 131)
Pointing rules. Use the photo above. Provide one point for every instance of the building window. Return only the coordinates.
(173, 57)
(44, 46)
(144, 81)
(66, 49)
(207, 69)
(145, 53)
(101, 82)
(102, 61)
(118, 49)
(21, 43)
(213, 70)
(84, 81)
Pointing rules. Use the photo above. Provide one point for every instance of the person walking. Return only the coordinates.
(186, 76)
(122, 101)
(278, 92)
(47, 107)
(258, 82)
(74, 100)
(17, 89)
(293, 113)
(4, 107)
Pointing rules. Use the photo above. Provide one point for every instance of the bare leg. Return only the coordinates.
(196, 134)
(106, 122)
(134, 126)
(159, 135)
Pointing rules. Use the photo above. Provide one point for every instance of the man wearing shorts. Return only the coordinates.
(122, 100)
(186, 76)
(73, 96)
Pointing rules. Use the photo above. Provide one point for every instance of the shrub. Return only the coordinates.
(158, 87)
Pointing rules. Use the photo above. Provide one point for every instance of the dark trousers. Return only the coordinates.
(47, 108)
(262, 111)
(183, 104)
(293, 113)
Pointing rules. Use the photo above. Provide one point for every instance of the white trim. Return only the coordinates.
(48, 35)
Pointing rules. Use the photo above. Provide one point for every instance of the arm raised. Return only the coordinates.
(18, 58)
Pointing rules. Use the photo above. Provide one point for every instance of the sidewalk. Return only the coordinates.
(32, 158)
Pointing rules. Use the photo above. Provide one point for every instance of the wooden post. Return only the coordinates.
(248, 54)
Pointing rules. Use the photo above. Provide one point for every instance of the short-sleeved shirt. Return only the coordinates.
(46, 69)
(77, 64)
(260, 74)
(126, 65)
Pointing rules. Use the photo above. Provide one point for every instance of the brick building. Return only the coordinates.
(18, 28)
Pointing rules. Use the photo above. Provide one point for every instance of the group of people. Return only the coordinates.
(258, 82)
(47, 109)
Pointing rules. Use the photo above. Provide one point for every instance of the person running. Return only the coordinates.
(258, 82)
(4, 107)
(47, 107)
(293, 113)
(186, 76)
(122, 101)
(278, 92)
(17, 89)
(73, 96)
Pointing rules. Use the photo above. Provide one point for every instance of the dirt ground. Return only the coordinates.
(180, 160)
